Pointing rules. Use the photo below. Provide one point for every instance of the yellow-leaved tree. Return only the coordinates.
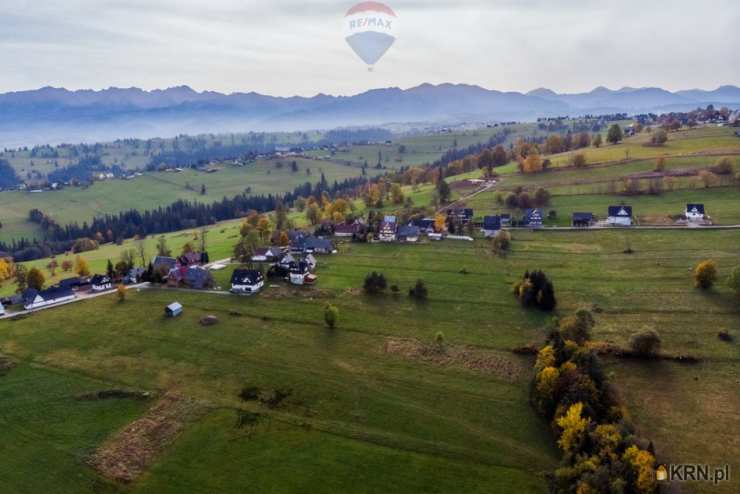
(643, 463)
(7, 269)
(574, 427)
(82, 268)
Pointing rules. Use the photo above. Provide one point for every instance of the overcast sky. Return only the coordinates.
(287, 47)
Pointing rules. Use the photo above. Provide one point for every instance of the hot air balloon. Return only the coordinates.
(370, 28)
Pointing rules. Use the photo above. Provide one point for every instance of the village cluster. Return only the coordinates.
(296, 263)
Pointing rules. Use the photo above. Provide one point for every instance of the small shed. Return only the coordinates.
(173, 310)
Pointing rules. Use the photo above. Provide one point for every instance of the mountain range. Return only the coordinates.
(54, 115)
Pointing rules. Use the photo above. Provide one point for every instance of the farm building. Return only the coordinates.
(247, 281)
(101, 283)
(491, 226)
(388, 229)
(173, 310)
(532, 218)
(409, 234)
(695, 212)
(620, 216)
(34, 299)
(582, 219)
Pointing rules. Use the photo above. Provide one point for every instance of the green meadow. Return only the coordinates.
(154, 189)
(364, 410)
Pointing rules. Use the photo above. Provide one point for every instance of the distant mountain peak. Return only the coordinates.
(542, 92)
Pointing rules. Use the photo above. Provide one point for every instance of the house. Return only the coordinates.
(287, 260)
(582, 219)
(163, 264)
(388, 229)
(34, 299)
(695, 212)
(313, 245)
(189, 259)
(491, 226)
(71, 283)
(464, 215)
(408, 233)
(173, 310)
(343, 230)
(620, 216)
(532, 218)
(311, 261)
(134, 275)
(247, 281)
(198, 277)
(265, 254)
(101, 283)
(300, 274)
(426, 225)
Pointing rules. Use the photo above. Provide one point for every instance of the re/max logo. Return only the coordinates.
(370, 22)
(698, 473)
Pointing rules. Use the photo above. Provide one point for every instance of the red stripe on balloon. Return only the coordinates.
(373, 6)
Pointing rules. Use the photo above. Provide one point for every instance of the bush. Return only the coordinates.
(705, 274)
(535, 290)
(35, 279)
(375, 283)
(419, 291)
(645, 344)
(84, 245)
(501, 242)
(439, 340)
(331, 314)
(579, 160)
(723, 167)
(659, 138)
(578, 327)
(734, 281)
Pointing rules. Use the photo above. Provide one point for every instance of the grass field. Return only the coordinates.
(156, 189)
(359, 411)
(420, 149)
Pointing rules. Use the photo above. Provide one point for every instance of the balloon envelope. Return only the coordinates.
(370, 30)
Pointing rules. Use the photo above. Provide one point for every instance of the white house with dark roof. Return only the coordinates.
(620, 216)
(247, 281)
(695, 212)
(34, 299)
(101, 283)
(388, 229)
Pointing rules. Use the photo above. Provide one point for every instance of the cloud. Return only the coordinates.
(290, 47)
